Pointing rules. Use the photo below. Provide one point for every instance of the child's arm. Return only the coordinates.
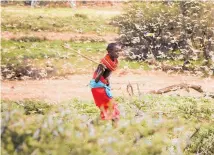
(100, 71)
(108, 81)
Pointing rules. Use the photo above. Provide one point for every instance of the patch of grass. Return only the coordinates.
(134, 65)
(7, 105)
(51, 56)
(48, 57)
(28, 106)
(35, 107)
(81, 15)
(21, 19)
(187, 107)
(18, 50)
(203, 141)
(30, 58)
(160, 129)
(85, 108)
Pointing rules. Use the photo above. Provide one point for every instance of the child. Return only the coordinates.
(100, 84)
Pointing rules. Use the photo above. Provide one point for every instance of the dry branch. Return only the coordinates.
(129, 89)
(185, 86)
(177, 87)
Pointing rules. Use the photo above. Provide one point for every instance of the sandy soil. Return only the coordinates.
(76, 86)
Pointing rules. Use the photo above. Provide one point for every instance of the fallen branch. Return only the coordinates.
(177, 87)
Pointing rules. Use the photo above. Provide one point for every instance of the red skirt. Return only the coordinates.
(108, 107)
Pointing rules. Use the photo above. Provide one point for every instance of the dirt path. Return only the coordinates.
(76, 86)
(66, 36)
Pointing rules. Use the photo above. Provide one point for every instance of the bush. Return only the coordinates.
(28, 106)
(203, 142)
(168, 30)
(22, 72)
(35, 127)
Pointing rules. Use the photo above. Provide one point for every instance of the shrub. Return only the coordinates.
(168, 30)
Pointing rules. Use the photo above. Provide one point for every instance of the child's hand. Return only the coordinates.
(108, 82)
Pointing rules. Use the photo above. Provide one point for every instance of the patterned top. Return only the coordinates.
(111, 65)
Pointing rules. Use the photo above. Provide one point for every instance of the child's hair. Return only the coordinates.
(113, 47)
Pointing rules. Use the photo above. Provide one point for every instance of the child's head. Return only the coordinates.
(114, 49)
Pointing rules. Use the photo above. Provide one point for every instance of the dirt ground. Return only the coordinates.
(61, 36)
(76, 86)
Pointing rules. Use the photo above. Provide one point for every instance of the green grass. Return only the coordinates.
(127, 64)
(41, 54)
(23, 19)
(52, 54)
(28, 106)
(15, 51)
(153, 124)
(46, 49)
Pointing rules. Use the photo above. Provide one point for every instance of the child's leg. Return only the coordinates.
(95, 121)
(115, 122)
(111, 112)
